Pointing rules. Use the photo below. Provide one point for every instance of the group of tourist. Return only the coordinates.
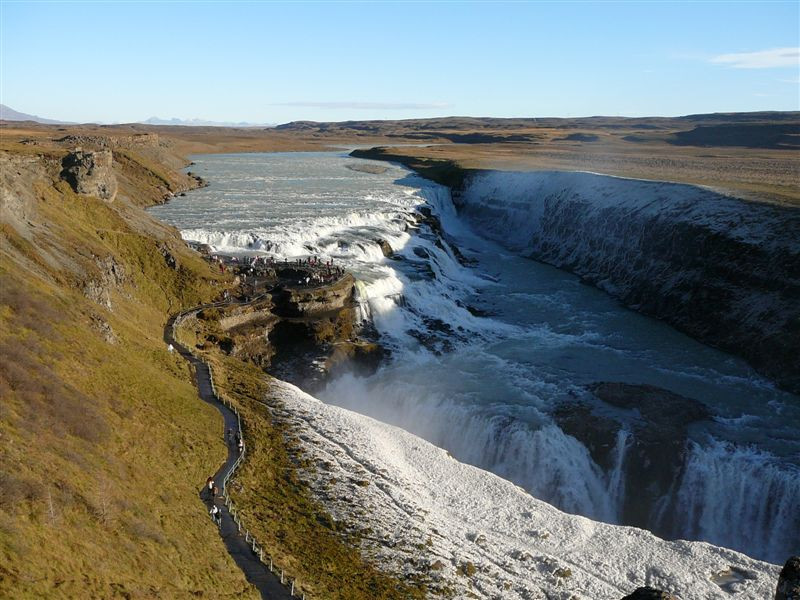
(318, 271)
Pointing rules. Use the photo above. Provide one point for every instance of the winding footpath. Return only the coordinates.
(237, 541)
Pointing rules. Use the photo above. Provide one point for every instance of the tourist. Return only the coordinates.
(241, 445)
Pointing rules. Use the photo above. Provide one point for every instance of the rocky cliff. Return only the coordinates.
(90, 173)
(296, 333)
(723, 270)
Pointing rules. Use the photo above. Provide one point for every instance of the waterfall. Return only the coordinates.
(740, 498)
(616, 476)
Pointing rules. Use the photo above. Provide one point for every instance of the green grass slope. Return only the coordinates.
(104, 444)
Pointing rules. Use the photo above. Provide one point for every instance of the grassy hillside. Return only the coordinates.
(104, 442)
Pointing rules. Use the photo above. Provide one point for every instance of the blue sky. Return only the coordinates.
(277, 62)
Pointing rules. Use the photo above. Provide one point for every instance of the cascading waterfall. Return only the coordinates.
(483, 387)
(740, 498)
(539, 458)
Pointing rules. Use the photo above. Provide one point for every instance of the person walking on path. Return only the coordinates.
(210, 487)
(241, 445)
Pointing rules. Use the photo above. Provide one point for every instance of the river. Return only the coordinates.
(484, 349)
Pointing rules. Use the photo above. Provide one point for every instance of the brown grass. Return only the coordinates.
(104, 446)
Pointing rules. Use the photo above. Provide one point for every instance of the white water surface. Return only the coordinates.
(483, 387)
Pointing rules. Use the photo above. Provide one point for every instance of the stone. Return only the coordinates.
(90, 173)
(789, 580)
(385, 247)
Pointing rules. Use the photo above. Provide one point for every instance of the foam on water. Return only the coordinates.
(483, 386)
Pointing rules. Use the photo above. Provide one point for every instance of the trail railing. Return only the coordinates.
(257, 548)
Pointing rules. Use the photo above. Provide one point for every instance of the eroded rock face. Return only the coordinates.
(303, 335)
(657, 448)
(109, 276)
(789, 581)
(90, 173)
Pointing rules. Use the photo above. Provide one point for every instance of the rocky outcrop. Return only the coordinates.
(656, 450)
(370, 168)
(724, 270)
(137, 140)
(299, 334)
(109, 275)
(385, 247)
(90, 173)
(295, 301)
(789, 580)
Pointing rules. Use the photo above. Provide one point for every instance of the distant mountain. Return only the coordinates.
(9, 114)
(202, 123)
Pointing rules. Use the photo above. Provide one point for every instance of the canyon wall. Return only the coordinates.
(726, 271)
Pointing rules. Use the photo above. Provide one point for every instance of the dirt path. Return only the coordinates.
(256, 572)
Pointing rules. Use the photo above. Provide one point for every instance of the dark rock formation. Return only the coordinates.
(648, 593)
(657, 450)
(789, 580)
(90, 173)
(385, 247)
(578, 137)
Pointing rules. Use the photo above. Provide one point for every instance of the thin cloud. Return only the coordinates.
(369, 105)
(763, 59)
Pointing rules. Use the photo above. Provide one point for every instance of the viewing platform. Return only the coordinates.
(259, 275)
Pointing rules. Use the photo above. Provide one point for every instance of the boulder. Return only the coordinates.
(789, 580)
(90, 173)
(385, 247)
